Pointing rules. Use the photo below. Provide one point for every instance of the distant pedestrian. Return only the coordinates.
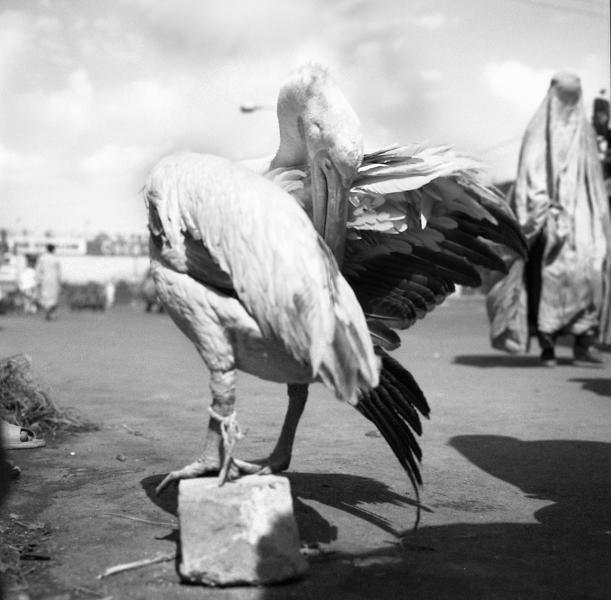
(560, 200)
(48, 278)
(110, 292)
(27, 285)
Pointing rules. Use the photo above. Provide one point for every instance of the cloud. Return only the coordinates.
(209, 29)
(430, 22)
(146, 108)
(120, 160)
(517, 83)
(524, 87)
(19, 35)
(13, 41)
(73, 104)
(431, 75)
(15, 164)
(93, 91)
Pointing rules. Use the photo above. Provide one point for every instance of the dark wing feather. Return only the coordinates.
(472, 249)
(193, 258)
(400, 275)
(394, 407)
(382, 336)
(203, 268)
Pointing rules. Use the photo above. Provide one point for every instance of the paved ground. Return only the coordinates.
(516, 468)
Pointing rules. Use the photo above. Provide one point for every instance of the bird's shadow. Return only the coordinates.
(168, 500)
(465, 559)
(495, 559)
(348, 493)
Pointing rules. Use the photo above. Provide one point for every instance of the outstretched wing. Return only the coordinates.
(421, 222)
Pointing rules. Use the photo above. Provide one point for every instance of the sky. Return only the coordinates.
(93, 93)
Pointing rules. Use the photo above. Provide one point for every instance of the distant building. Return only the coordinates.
(118, 245)
(36, 244)
(104, 259)
(75, 245)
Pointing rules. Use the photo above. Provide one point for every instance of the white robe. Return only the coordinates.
(560, 201)
(48, 276)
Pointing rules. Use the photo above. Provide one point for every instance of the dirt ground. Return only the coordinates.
(517, 464)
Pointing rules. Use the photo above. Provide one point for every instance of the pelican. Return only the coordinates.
(405, 223)
(242, 272)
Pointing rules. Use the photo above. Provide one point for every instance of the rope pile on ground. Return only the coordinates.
(26, 403)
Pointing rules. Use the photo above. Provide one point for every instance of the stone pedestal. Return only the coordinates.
(243, 533)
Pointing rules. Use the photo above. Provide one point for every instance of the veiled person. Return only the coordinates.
(560, 200)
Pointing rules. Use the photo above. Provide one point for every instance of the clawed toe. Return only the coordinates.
(195, 469)
(232, 470)
(266, 466)
(173, 476)
(248, 468)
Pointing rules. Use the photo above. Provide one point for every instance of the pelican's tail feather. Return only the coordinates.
(394, 407)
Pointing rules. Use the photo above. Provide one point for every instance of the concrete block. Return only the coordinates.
(241, 533)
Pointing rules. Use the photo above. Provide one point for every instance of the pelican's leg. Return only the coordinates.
(280, 458)
(213, 459)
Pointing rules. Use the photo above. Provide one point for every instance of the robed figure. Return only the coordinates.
(560, 200)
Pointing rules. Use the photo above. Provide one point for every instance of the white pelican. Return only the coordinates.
(406, 223)
(242, 272)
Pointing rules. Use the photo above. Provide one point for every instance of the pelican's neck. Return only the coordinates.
(292, 149)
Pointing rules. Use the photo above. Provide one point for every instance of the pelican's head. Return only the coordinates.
(319, 128)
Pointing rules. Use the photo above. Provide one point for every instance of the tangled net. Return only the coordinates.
(25, 403)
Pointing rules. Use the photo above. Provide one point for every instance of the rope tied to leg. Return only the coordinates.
(231, 433)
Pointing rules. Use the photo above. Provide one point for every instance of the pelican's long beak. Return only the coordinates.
(329, 203)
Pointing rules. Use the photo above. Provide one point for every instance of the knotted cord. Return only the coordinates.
(231, 433)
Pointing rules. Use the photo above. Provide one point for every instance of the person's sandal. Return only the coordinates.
(15, 437)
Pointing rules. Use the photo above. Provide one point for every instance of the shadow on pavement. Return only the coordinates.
(596, 385)
(167, 500)
(504, 360)
(565, 555)
(338, 490)
(344, 492)
(572, 474)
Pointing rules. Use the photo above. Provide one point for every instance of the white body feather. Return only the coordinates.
(295, 319)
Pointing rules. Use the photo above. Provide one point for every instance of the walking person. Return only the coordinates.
(560, 200)
(48, 278)
(27, 285)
